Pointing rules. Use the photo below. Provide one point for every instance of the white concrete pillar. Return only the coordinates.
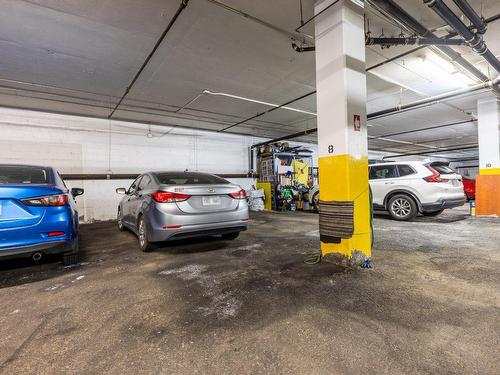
(488, 127)
(488, 180)
(342, 134)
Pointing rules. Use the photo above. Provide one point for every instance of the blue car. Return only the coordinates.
(38, 214)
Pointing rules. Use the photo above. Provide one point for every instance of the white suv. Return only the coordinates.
(409, 187)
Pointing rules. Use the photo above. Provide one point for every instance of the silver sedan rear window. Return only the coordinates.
(186, 178)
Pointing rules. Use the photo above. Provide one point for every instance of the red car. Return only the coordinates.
(469, 188)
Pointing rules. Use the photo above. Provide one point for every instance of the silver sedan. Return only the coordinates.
(162, 206)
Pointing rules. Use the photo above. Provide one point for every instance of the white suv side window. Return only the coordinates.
(405, 170)
(383, 171)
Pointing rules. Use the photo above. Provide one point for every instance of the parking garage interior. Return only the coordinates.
(333, 283)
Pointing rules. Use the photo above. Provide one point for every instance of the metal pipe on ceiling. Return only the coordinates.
(302, 23)
(478, 22)
(390, 140)
(441, 150)
(436, 99)
(269, 110)
(473, 40)
(397, 57)
(403, 41)
(132, 121)
(400, 41)
(182, 6)
(259, 21)
(401, 55)
(399, 14)
(282, 106)
(429, 128)
(286, 137)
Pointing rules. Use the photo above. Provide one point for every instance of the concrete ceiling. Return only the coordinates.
(78, 57)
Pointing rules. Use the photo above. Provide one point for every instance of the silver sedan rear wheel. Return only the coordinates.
(120, 220)
(142, 234)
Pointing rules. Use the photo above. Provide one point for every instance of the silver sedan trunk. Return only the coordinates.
(161, 206)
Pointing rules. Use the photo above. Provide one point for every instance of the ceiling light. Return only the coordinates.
(149, 134)
(440, 62)
(464, 78)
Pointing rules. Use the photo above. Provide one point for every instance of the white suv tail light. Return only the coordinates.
(436, 176)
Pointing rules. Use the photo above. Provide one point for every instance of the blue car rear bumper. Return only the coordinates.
(25, 241)
(52, 247)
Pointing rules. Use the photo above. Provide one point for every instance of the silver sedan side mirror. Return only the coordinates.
(121, 191)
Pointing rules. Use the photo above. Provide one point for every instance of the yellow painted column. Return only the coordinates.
(342, 135)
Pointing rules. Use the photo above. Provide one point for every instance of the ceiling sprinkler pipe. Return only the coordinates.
(401, 16)
(478, 22)
(435, 99)
(387, 42)
(473, 40)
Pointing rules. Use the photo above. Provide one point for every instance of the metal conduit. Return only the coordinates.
(435, 99)
(182, 6)
(478, 22)
(398, 13)
(369, 41)
(473, 40)
(451, 35)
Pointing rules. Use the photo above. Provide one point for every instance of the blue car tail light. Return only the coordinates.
(47, 201)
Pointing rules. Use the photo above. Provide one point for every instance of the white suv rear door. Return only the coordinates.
(382, 181)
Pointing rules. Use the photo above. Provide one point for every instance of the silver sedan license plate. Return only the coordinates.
(211, 201)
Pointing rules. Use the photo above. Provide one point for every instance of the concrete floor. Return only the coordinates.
(250, 306)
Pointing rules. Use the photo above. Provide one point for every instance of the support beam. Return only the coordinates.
(488, 181)
(342, 133)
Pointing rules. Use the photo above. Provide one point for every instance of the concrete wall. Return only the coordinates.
(84, 145)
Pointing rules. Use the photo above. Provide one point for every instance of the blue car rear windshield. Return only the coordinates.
(23, 175)
(186, 178)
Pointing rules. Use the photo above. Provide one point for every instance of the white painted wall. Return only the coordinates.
(85, 145)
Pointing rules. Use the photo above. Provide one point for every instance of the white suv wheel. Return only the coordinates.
(402, 207)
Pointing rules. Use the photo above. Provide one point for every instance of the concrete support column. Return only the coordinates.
(488, 180)
(342, 135)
